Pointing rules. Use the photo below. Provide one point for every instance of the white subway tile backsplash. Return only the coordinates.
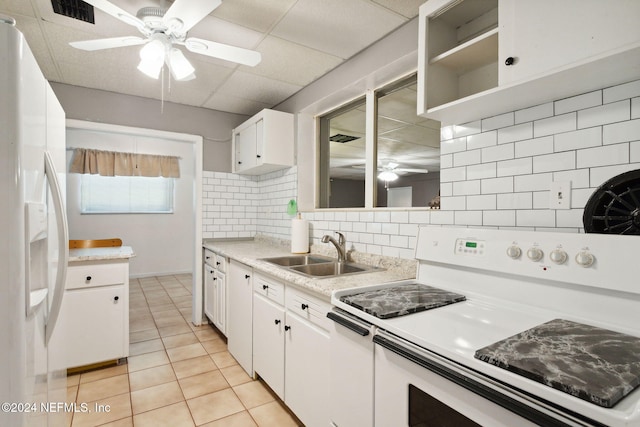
(442, 217)
(483, 202)
(446, 161)
(536, 182)
(446, 188)
(605, 114)
(621, 132)
(579, 197)
(453, 145)
(515, 201)
(466, 129)
(484, 170)
(584, 138)
(497, 122)
(580, 102)
(554, 162)
(466, 158)
(579, 177)
(481, 140)
(467, 217)
(453, 174)
(635, 108)
(497, 185)
(534, 147)
(515, 133)
(399, 216)
(554, 125)
(534, 113)
(603, 156)
(535, 218)
(462, 188)
(620, 92)
(601, 174)
(453, 203)
(634, 153)
(419, 217)
(515, 167)
(540, 199)
(500, 152)
(499, 218)
(382, 216)
(569, 218)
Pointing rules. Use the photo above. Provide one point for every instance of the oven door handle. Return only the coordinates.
(347, 323)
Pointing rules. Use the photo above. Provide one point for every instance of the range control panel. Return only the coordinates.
(469, 247)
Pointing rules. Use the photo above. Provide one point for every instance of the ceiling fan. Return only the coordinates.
(388, 170)
(162, 30)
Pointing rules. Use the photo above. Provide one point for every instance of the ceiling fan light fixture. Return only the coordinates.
(180, 67)
(388, 176)
(152, 57)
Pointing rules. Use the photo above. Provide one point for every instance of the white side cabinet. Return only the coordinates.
(215, 289)
(291, 347)
(486, 57)
(264, 143)
(240, 314)
(94, 317)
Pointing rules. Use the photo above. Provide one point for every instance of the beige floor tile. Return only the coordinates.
(172, 311)
(168, 331)
(273, 414)
(195, 366)
(206, 334)
(148, 360)
(199, 385)
(170, 321)
(72, 393)
(214, 346)
(177, 415)
(100, 389)
(151, 377)
(163, 307)
(73, 380)
(161, 300)
(179, 340)
(143, 335)
(241, 419)
(253, 394)
(235, 375)
(99, 374)
(119, 408)
(143, 347)
(223, 359)
(141, 325)
(155, 397)
(213, 406)
(186, 352)
(125, 422)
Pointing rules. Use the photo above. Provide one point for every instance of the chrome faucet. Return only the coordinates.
(340, 244)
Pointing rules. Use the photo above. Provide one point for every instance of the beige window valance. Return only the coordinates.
(112, 163)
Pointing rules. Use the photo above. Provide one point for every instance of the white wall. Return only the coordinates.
(163, 243)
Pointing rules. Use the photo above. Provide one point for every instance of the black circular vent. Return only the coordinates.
(614, 208)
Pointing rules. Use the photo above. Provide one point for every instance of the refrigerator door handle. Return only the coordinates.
(63, 245)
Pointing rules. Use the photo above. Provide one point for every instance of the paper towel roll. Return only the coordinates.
(299, 236)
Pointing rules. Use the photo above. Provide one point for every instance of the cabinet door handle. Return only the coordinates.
(246, 276)
(258, 155)
(217, 262)
(304, 306)
(287, 327)
(116, 298)
(265, 287)
(239, 162)
(510, 61)
(88, 278)
(277, 321)
(207, 257)
(215, 278)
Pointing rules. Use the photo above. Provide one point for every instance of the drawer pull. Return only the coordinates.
(287, 327)
(116, 298)
(304, 306)
(217, 262)
(246, 276)
(207, 257)
(265, 287)
(277, 321)
(88, 278)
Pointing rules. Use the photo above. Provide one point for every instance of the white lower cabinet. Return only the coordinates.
(239, 314)
(291, 348)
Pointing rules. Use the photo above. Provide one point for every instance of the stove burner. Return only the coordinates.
(401, 300)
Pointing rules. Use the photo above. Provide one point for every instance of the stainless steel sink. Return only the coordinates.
(294, 260)
(332, 269)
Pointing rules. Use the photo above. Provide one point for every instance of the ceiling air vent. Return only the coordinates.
(338, 137)
(76, 9)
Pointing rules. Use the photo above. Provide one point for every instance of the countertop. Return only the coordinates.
(250, 252)
(100, 254)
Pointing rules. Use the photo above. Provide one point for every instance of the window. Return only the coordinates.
(402, 153)
(125, 194)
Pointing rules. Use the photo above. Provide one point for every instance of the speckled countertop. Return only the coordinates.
(99, 254)
(250, 252)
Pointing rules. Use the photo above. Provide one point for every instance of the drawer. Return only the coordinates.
(269, 288)
(97, 273)
(221, 263)
(308, 307)
(209, 258)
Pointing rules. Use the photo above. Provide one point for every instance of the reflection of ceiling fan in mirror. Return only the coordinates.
(389, 170)
(162, 30)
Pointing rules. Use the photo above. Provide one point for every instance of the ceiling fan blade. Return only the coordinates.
(100, 44)
(223, 51)
(116, 12)
(188, 13)
(412, 170)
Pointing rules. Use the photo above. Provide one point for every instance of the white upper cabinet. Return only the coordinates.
(478, 58)
(264, 143)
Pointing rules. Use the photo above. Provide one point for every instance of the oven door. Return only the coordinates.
(415, 387)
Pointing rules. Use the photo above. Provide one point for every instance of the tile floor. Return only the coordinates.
(177, 374)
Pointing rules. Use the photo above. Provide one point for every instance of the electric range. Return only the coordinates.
(514, 286)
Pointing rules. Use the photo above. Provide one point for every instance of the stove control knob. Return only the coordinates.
(585, 259)
(558, 256)
(535, 254)
(514, 252)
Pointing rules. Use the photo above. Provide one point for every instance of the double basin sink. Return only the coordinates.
(319, 265)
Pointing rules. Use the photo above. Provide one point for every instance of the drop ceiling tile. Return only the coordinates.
(257, 88)
(290, 62)
(17, 7)
(258, 15)
(221, 31)
(234, 104)
(416, 135)
(32, 31)
(406, 8)
(338, 27)
(197, 91)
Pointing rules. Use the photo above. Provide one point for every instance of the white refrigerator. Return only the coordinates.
(34, 240)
